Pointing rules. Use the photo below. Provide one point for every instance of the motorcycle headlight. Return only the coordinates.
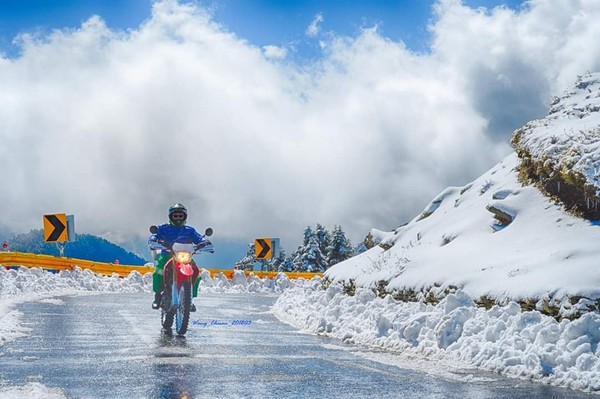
(183, 257)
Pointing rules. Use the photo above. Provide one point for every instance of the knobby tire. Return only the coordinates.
(167, 318)
(183, 309)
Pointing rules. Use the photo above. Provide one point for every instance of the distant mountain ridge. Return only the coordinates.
(86, 246)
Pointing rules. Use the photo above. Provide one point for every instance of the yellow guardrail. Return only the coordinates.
(62, 263)
(229, 274)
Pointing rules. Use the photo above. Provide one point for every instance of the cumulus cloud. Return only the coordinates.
(115, 126)
(275, 52)
(511, 62)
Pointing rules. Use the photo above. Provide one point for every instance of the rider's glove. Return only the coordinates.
(158, 244)
(205, 246)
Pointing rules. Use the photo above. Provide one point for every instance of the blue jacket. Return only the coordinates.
(172, 234)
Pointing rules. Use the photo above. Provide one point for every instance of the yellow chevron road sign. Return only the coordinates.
(263, 248)
(55, 228)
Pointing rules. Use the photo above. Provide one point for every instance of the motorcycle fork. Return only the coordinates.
(178, 279)
(174, 282)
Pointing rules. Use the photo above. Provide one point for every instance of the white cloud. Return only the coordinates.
(518, 58)
(315, 26)
(115, 126)
(275, 52)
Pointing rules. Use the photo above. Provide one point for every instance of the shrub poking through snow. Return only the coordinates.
(560, 154)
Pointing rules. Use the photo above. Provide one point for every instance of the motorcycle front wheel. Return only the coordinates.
(182, 314)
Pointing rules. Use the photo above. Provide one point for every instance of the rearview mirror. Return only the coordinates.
(208, 232)
(153, 229)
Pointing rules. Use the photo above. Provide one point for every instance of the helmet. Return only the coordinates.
(177, 208)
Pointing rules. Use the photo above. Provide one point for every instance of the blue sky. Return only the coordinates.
(261, 22)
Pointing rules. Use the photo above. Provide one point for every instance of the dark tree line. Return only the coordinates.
(320, 250)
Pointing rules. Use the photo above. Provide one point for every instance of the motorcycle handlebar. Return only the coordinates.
(205, 246)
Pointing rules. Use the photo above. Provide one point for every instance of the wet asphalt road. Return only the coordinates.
(111, 346)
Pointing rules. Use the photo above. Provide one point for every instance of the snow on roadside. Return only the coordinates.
(25, 281)
(10, 327)
(20, 282)
(502, 339)
(242, 283)
(33, 390)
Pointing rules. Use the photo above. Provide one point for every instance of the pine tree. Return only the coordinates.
(308, 233)
(313, 259)
(299, 256)
(247, 262)
(287, 265)
(265, 264)
(321, 249)
(296, 258)
(278, 261)
(324, 239)
(340, 248)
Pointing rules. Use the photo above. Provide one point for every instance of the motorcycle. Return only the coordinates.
(176, 307)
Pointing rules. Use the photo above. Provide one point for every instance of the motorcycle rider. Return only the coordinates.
(167, 234)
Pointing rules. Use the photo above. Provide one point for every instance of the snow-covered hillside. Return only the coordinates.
(497, 239)
(568, 136)
(496, 274)
(561, 153)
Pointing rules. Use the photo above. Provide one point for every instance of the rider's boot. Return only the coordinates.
(166, 298)
(157, 300)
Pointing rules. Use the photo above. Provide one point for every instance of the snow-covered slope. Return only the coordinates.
(494, 240)
(568, 137)
(561, 153)
(495, 237)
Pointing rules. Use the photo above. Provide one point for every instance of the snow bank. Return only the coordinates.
(33, 390)
(242, 283)
(501, 339)
(10, 327)
(25, 281)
